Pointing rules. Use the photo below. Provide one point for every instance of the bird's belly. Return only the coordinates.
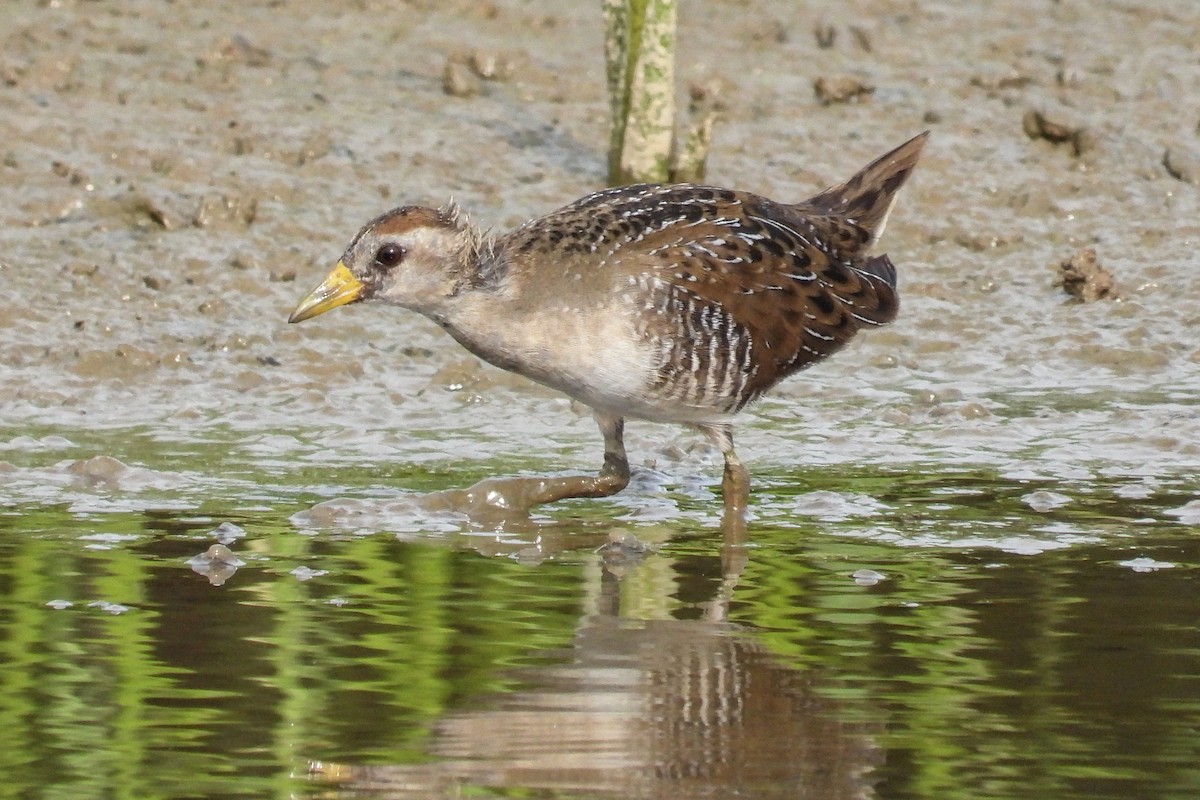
(600, 359)
(602, 397)
(621, 381)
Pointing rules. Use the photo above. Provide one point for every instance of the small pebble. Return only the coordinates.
(307, 573)
(841, 89)
(220, 554)
(97, 470)
(867, 577)
(108, 608)
(1043, 500)
(459, 81)
(1182, 163)
(239, 48)
(243, 262)
(225, 533)
(216, 306)
(218, 564)
(826, 35)
(1145, 564)
(1038, 126)
(490, 66)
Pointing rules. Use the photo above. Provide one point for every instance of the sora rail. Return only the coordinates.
(674, 303)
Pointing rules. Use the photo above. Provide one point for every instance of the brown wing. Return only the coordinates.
(780, 281)
(738, 291)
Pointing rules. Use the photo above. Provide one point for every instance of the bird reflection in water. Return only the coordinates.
(646, 708)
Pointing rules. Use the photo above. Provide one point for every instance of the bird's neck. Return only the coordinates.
(473, 308)
(482, 263)
(473, 265)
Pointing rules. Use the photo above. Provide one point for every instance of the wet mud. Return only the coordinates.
(174, 178)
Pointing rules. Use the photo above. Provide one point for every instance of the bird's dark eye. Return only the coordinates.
(389, 255)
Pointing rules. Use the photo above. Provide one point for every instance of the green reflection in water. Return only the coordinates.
(975, 672)
(226, 691)
(1056, 675)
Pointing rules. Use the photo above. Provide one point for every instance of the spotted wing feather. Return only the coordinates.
(779, 284)
(738, 291)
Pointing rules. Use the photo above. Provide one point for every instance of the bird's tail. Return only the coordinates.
(868, 197)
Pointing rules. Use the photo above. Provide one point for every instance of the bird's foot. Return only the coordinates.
(517, 495)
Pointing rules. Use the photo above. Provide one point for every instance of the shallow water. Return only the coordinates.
(971, 565)
(898, 636)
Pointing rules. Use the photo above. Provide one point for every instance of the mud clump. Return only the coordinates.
(98, 471)
(237, 209)
(218, 563)
(459, 81)
(464, 75)
(1182, 162)
(491, 66)
(1038, 126)
(1083, 277)
(841, 89)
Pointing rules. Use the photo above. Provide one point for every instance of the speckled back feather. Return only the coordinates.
(738, 291)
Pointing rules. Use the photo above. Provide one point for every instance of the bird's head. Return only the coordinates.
(412, 256)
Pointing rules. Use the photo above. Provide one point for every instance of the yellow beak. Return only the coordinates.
(339, 288)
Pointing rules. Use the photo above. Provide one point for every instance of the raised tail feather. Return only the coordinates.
(867, 198)
(881, 267)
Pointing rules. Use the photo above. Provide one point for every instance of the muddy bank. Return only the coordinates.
(173, 178)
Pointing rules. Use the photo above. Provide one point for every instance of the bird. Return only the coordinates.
(678, 303)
